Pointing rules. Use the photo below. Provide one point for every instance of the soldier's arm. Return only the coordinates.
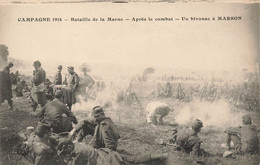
(41, 113)
(36, 77)
(65, 80)
(108, 138)
(233, 130)
(76, 82)
(92, 82)
(70, 115)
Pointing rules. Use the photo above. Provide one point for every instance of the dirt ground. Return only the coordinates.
(136, 135)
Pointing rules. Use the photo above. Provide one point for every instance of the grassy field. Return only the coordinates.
(138, 136)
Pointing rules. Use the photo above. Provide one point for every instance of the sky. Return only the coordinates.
(132, 46)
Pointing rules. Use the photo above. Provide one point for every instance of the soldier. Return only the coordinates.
(188, 140)
(245, 138)
(53, 112)
(156, 110)
(82, 129)
(20, 88)
(87, 83)
(106, 138)
(38, 94)
(48, 89)
(76, 153)
(37, 148)
(106, 134)
(6, 86)
(72, 80)
(58, 76)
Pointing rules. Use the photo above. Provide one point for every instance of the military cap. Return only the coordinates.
(246, 120)
(10, 64)
(60, 67)
(37, 63)
(97, 111)
(71, 68)
(197, 124)
(58, 93)
(41, 129)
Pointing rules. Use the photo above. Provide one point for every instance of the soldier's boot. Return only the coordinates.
(10, 102)
(159, 156)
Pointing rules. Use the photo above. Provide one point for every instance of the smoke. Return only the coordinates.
(107, 98)
(17, 63)
(218, 114)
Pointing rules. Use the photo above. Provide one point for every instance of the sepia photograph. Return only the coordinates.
(129, 82)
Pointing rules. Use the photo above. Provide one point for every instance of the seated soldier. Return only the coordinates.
(53, 114)
(245, 138)
(37, 148)
(82, 129)
(20, 88)
(188, 141)
(156, 110)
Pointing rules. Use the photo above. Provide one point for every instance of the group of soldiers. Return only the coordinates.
(56, 141)
(245, 138)
(42, 88)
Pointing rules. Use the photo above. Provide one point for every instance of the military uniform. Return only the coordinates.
(84, 128)
(20, 88)
(39, 76)
(52, 113)
(245, 138)
(72, 81)
(106, 135)
(189, 142)
(6, 86)
(58, 78)
(156, 110)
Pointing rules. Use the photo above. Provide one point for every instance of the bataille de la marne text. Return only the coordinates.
(133, 19)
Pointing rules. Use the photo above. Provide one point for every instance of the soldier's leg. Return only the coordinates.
(10, 102)
(34, 105)
(70, 105)
(141, 158)
(234, 138)
(161, 119)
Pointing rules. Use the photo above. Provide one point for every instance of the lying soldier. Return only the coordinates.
(78, 153)
(37, 150)
(187, 140)
(245, 138)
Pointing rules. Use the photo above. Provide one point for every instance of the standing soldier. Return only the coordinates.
(72, 81)
(58, 76)
(86, 84)
(6, 86)
(38, 94)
